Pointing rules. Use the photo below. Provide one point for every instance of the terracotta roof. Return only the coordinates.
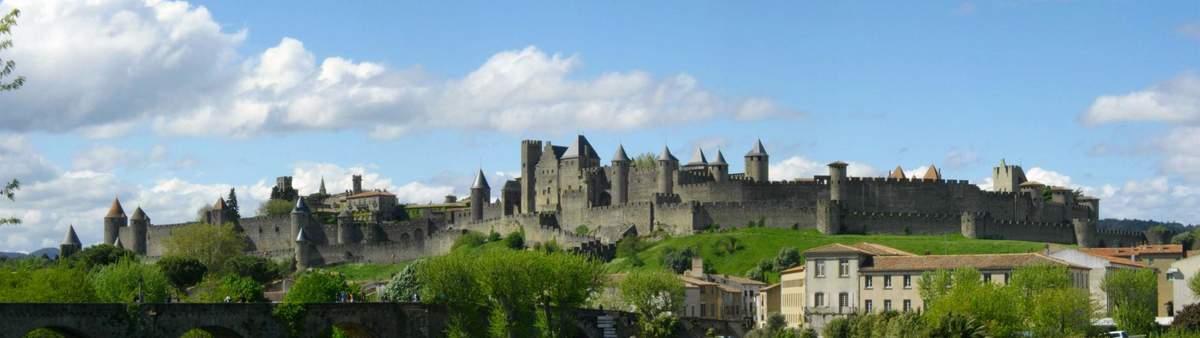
(897, 173)
(742, 280)
(862, 248)
(933, 173)
(981, 262)
(115, 211)
(370, 194)
(1137, 250)
(1123, 261)
(797, 268)
(695, 281)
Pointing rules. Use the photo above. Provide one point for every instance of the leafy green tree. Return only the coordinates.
(678, 260)
(56, 283)
(566, 282)
(838, 328)
(1194, 284)
(997, 307)
(958, 326)
(1060, 312)
(787, 258)
(182, 272)
(1188, 319)
(259, 269)
(1132, 295)
(212, 245)
(320, 286)
(404, 286)
(10, 190)
(450, 281)
(102, 254)
(507, 278)
(644, 161)
(239, 289)
(128, 279)
(275, 207)
(7, 66)
(657, 298)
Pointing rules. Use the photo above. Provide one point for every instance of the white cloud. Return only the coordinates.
(1182, 148)
(800, 167)
(1049, 177)
(1175, 100)
(19, 160)
(1150, 198)
(306, 177)
(114, 65)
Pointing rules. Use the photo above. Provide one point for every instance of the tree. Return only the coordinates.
(644, 161)
(404, 286)
(657, 298)
(567, 282)
(1132, 295)
(450, 281)
(508, 277)
(56, 283)
(1059, 312)
(1188, 319)
(678, 260)
(102, 254)
(9, 191)
(787, 258)
(515, 240)
(1194, 284)
(471, 239)
(275, 207)
(210, 244)
(320, 286)
(183, 272)
(130, 280)
(6, 66)
(231, 203)
(259, 269)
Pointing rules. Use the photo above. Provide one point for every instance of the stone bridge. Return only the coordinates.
(256, 320)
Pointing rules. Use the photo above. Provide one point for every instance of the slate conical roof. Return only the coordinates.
(300, 205)
(580, 149)
(758, 149)
(620, 156)
(71, 238)
(115, 211)
(720, 159)
(666, 155)
(301, 237)
(933, 173)
(480, 181)
(698, 157)
(897, 173)
(220, 204)
(139, 215)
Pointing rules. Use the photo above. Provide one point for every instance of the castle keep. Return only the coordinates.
(563, 188)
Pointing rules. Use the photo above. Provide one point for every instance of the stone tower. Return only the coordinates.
(140, 223)
(303, 251)
(217, 216)
(837, 175)
(344, 223)
(531, 152)
(719, 168)
(114, 221)
(757, 162)
(620, 183)
(300, 216)
(1007, 178)
(357, 183)
(667, 165)
(1085, 232)
(70, 244)
(481, 194)
(698, 162)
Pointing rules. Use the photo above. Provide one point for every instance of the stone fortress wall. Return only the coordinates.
(563, 188)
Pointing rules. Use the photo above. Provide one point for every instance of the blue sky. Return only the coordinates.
(169, 103)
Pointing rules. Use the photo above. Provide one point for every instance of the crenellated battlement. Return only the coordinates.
(859, 179)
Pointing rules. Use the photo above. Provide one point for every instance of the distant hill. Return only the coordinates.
(49, 252)
(1140, 225)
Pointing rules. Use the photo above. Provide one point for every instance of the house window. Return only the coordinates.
(887, 282)
(867, 305)
(868, 282)
(819, 299)
(907, 305)
(887, 305)
(820, 268)
(843, 268)
(843, 300)
(908, 281)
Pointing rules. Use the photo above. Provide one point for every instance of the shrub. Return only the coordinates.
(956, 325)
(404, 286)
(471, 239)
(182, 272)
(276, 207)
(123, 281)
(1188, 319)
(582, 230)
(257, 268)
(515, 240)
(838, 328)
(629, 246)
(678, 260)
(787, 258)
(238, 288)
(320, 286)
(60, 283)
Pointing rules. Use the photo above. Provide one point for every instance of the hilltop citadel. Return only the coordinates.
(562, 188)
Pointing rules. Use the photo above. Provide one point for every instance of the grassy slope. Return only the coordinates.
(367, 271)
(759, 243)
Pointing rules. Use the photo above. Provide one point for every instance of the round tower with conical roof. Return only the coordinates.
(114, 221)
(300, 216)
(668, 165)
(481, 194)
(719, 168)
(139, 224)
(303, 251)
(757, 162)
(620, 183)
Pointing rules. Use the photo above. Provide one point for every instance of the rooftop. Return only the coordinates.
(979, 262)
(1137, 250)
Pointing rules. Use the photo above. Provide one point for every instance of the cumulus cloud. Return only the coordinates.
(1182, 148)
(797, 167)
(117, 64)
(306, 177)
(1175, 100)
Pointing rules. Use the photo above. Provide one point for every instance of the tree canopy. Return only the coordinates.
(212, 245)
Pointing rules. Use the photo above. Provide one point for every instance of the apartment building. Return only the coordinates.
(1157, 256)
(1099, 268)
(791, 293)
(768, 303)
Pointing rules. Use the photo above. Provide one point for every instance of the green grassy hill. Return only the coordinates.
(756, 244)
